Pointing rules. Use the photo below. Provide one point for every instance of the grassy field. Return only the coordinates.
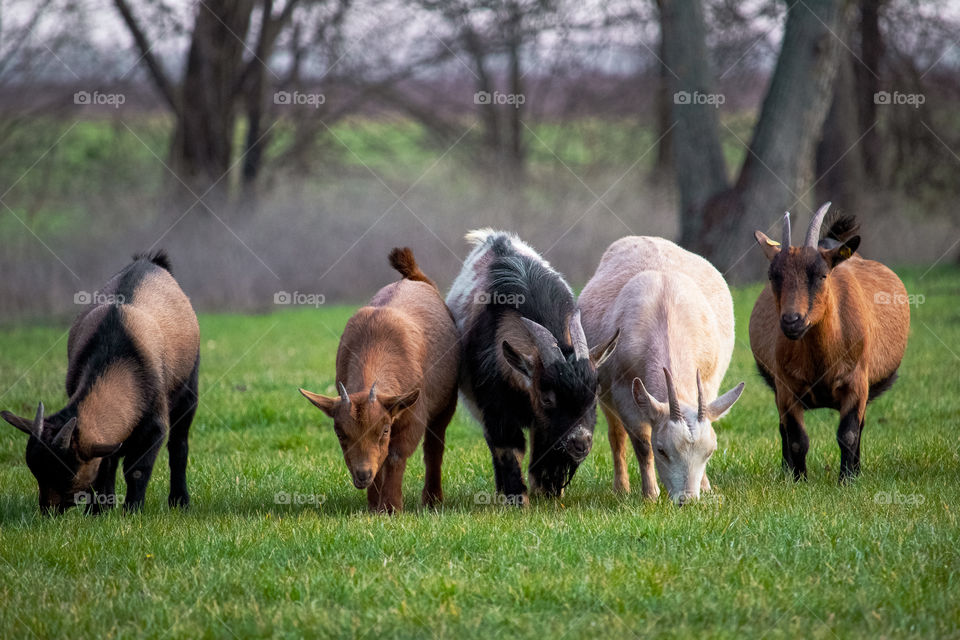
(278, 542)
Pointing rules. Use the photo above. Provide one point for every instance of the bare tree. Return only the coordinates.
(718, 217)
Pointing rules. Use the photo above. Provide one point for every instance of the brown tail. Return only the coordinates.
(403, 261)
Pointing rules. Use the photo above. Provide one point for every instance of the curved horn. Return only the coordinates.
(701, 406)
(38, 420)
(343, 394)
(63, 438)
(373, 392)
(545, 342)
(786, 230)
(675, 413)
(580, 349)
(813, 233)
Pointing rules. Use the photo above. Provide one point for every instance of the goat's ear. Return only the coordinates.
(650, 407)
(325, 403)
(770, 247)
(719, 407)
(395, 404)
(600, 353)
(522, 363)
(841, 252)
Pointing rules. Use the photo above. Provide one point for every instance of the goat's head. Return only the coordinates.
(562, 388)
(682, 436)
(64, 470)
(362, 422)
(800, 276)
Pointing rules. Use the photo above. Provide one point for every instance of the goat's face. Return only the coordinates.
(800, 276)
(64, 477)
(562, 387)
(363, 423)
(683, 438)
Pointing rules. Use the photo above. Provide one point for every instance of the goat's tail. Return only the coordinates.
(841, 227)
(401, 259)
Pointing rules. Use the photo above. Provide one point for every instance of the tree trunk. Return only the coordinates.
(203, 138)
(779, 163)
(663, 166)
(868, 84)
(839, 158)
(700, 168)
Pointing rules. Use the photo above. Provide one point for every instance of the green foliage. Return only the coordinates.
(762, 557)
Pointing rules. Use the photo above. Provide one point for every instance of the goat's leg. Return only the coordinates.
(507, 447)
(852, 414)
(794, 439)
(618, 447)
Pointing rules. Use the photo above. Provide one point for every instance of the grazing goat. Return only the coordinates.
(829, 330)
(526, 364)
(133, 357)
(660, 387)
(397, 368)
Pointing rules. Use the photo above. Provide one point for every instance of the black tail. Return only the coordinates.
(158, 258)
(841, 227)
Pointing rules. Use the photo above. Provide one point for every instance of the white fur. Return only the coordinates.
(675, 311)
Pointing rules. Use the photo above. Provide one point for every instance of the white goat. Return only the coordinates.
(676, 316)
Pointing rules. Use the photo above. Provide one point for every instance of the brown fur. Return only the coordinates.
(405, 342)
(858, 321)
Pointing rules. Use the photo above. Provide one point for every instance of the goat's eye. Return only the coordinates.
(386, 429)
(663, 453)
(548, 401)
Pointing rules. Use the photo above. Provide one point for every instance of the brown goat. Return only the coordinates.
(829, 330)
(397, 368)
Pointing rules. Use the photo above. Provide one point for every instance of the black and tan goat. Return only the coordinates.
(132, 366)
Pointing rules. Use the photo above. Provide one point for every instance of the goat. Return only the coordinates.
(132, 363)
(676, 314)
(829, 330)
(526, 364)
(397, 367)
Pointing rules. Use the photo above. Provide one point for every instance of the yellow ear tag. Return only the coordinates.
(773, 243)
(845, 252)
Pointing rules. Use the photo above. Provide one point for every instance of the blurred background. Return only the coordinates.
(277, 149)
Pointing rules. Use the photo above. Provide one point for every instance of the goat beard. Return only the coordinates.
(552, 470)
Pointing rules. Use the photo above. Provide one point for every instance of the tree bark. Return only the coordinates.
(700, 167)
(839, 157)
(779, 162)
(868, 84)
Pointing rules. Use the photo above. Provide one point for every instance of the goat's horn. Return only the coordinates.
(373, 392)
(66, 434)
(343, 393)
(580, 349)
(786, 230)
(545, 342)
(675, 413)
(813, 233)
(701, 406)
(38, 421)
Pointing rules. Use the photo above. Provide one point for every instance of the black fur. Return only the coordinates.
(158, 257)
(840, 226)
(520, 284)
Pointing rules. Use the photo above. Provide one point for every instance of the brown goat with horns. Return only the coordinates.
(829, 330)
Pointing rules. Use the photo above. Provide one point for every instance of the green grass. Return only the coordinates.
(765, 557)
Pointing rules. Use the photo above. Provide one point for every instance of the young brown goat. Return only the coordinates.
(397, 368)
(829, 330)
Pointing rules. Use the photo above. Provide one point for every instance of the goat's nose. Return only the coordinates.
(581, 444)
(790, 318)
(363, 477)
